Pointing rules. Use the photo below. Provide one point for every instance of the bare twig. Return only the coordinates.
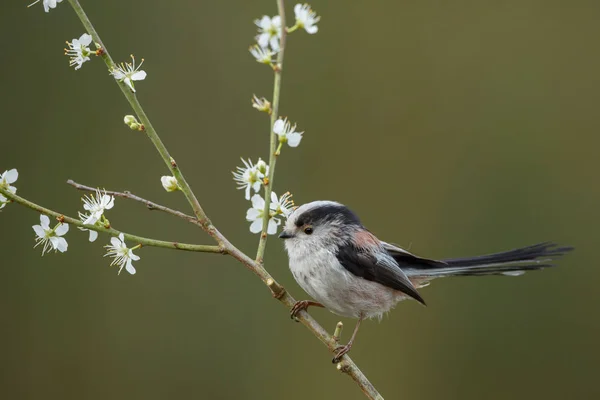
(149, 204)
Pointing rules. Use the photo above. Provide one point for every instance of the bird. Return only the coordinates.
(350, 272)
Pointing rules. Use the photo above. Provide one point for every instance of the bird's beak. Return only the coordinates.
(286, 235)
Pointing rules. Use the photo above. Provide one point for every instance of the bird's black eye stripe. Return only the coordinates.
(308, 230)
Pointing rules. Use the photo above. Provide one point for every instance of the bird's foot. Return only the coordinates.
(340, 351)
(302, 305)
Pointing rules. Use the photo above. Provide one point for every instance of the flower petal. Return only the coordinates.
(44, 222)
(139, 76)
(256, 226)
(293, 139)
(129, 267)
(258, 202)
(128, 83)
(59, 244)
(272, 226)
(93, 235)
(311, 29)
(62, 229)
(11, 176)
(252, 214)
(278, 126)
(39, 231)
(85, 39)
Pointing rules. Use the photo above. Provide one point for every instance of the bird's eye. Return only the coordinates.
(308, 230)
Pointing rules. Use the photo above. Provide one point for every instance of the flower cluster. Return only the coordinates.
(252, 177)
(268, 37)
(52, 238)
(279, 206)
(95, 205)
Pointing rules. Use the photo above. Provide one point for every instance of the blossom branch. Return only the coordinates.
(111, 231)
(149, 204)
(256, 266)
(273, 153)
(148, 128)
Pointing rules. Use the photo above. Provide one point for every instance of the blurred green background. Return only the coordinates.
(453, 128)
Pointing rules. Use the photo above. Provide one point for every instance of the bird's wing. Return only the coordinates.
(382, 269)
(409, 260)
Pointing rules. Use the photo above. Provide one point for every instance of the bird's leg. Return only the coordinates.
(340, 351)
(303, 305)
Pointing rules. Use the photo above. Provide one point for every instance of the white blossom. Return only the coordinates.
(251, 176)
(50, 237)
(123, 256)
(169, 183)
(79, 51)
(95, 205)
(48, 4)
(287, 133)
(283, 205)
(128, 72)
(263, 55)
(7, 178)
(255, 215)
(306, 18)
(269, 32)
(3, 201)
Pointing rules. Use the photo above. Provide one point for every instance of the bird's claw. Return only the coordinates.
(340, 352)
(299, 306)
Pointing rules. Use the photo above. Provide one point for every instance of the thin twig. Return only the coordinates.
(277, 70)
(148, 128)
(149, 204)
(111, 231)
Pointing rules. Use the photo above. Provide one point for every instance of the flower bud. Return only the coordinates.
(261, 166)
(261, 104)
(132, 123)
(169, 183)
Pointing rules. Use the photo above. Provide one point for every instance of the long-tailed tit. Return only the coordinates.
(343, 266)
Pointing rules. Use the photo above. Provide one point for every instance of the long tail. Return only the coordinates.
(511, 263)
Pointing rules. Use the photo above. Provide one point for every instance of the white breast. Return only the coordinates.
(321, 275)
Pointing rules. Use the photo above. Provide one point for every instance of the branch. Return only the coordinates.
(346, 365)
(111, 231)
(131, 196)
(262, 244)
(149, 129)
